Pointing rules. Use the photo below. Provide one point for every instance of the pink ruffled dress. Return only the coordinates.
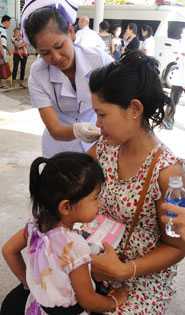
(51, 257)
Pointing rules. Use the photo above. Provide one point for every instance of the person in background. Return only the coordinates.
(58, 81)
(4, 51)
(148, 43)
(130, 39)
(178, 83)
(116, 43)
(57, 268)
(20, 55)
(129, 101)
(87, 37)
(106, 36)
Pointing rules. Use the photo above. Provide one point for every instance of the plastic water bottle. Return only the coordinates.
(175, 195)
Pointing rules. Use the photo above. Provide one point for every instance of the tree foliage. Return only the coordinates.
(180, 2)
(115, 1)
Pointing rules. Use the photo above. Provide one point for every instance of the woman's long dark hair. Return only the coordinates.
(135, 76)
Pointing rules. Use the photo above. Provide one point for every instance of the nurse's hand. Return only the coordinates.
(87, 132)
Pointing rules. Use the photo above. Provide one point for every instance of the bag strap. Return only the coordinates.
(143, 194)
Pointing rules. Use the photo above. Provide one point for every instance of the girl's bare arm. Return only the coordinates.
(12, 254)
(88, 298)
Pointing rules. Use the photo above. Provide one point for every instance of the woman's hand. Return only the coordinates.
(107, 266)
(178, 221)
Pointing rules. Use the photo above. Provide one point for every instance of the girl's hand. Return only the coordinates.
(107, 265)
(179, 221)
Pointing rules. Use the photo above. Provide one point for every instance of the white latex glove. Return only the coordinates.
(87, 132)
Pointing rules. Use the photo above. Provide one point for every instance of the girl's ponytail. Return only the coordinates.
(34, 186)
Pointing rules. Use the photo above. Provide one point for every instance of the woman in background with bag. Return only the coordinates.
(129, 101)
(5, 72)
(20, 56)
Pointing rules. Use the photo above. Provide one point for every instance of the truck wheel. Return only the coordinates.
(167, 74)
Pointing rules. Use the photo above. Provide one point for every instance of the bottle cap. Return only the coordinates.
(175, 182)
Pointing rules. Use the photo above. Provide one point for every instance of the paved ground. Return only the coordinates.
(20, 130)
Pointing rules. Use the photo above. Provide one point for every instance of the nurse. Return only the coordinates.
(58, 82)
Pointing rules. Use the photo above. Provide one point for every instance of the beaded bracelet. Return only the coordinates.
(134, 269)
(115, 301)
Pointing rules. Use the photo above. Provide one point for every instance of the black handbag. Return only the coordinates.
(60, 310)
(75, 309)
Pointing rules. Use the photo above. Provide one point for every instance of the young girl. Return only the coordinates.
(129, 101)
(64, 190)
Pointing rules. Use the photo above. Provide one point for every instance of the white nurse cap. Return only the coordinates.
(70, 7)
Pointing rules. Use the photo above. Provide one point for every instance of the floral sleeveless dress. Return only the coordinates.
(51, 257)
(148, 295)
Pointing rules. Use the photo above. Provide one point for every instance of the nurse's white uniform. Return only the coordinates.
(49, 86)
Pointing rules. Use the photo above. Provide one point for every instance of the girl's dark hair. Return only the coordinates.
(39, 20)
(66, 176)
(148, 29)
(134, 76)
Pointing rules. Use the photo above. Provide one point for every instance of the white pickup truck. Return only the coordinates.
(167, 22)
